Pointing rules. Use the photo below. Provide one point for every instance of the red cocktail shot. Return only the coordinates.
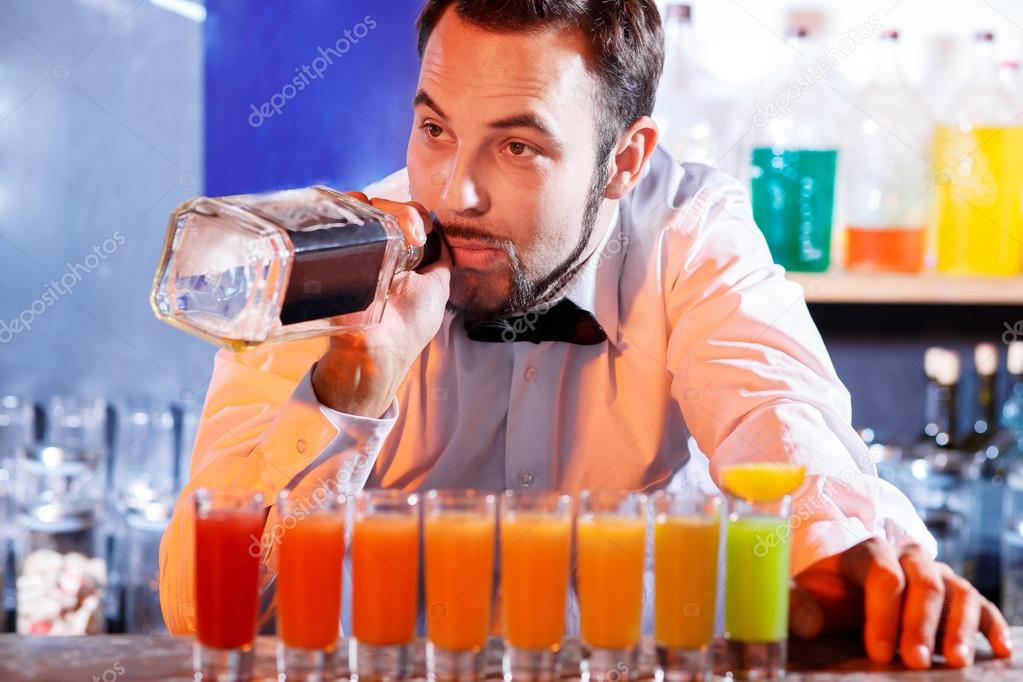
(228, 527)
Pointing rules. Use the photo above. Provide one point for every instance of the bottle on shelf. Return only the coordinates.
(1012, 408)
(994, 450)
(886, 174)
(697, 118)
(1011, 547)
(934, 476)
(979, 178)
(793, 163)
(244, 270)
(985, 359)
(1012, 80)
(942, 368)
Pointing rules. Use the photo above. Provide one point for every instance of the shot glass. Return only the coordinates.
(459, 529)
(687, 529)
(610, 541)
(309, 531)
(536, 545)
(385, 584)
(228, 528)
(756, 585)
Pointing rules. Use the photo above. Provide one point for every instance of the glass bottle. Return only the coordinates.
(980, 180)
(793, 164)
(937, 478)
(993, 451)
(1011, 546)
(697, 119)
(244, 270)
(886, 175)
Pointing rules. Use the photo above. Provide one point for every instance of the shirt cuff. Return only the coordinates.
(830, 515)
(307, 436)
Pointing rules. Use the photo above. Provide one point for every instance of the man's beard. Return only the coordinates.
(526, 293)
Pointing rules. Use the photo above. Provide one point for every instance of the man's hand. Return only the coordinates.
(361, 371)
(903, 601)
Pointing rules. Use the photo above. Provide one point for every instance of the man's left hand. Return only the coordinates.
(904, 602)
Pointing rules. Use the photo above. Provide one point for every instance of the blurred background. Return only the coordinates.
(882, 142)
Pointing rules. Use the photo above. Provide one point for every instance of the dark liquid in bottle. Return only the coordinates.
(335, 272)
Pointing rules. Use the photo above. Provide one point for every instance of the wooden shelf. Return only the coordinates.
(925, 289)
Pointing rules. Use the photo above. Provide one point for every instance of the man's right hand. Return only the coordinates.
(361, 371)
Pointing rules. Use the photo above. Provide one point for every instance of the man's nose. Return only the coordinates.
(463, 189)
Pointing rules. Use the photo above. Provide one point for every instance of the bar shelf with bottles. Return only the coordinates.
(879, 196)
(968, 486)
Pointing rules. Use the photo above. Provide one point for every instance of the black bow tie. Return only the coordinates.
(564, 321)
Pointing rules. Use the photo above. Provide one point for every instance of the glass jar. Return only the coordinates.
(138, 566)
(61, 576)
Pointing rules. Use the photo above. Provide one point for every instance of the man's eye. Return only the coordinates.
(520, 149)
(433, 130)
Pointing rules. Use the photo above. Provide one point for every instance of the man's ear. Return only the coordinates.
(630, 156)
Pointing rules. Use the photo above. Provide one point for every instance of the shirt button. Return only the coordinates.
(300, 445)
(530, 374)
(526, 479)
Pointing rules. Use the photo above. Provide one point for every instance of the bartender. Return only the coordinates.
(608, 318)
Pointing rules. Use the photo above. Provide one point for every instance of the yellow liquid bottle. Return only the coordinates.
(978, 160)
(980, 195)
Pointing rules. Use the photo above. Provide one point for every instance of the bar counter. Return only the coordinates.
(142, 658)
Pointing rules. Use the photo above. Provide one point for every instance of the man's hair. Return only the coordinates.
(626, 40)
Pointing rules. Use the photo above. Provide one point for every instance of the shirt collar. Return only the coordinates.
(594, 288)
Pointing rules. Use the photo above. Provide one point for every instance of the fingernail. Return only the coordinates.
(962, 653)
(922, 654)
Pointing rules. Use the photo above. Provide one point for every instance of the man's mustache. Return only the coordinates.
(468, 233)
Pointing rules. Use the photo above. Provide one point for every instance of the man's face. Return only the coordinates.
(503, 149)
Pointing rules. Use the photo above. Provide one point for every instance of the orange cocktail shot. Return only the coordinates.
(385, 582)
(309, 530)
(687, 526)
(536, 542)
(610, 538)
(459, 531)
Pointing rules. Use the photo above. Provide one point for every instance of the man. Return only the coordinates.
(644, 324)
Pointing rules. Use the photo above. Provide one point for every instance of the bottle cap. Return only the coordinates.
(948, 369)
(932, 358)
(431, 250)
(680, 11)
(1014, 361)
(985, 359)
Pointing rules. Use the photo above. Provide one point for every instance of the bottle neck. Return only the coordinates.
(986, 415)
(678, 36)
(888, 71)
(940, 410)
(985, 64)
(415, 257)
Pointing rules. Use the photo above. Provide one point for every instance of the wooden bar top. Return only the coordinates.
(151, 658)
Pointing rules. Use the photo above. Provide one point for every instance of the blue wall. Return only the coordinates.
(344, 121)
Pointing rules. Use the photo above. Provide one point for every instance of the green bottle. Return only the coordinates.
(793, 163)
